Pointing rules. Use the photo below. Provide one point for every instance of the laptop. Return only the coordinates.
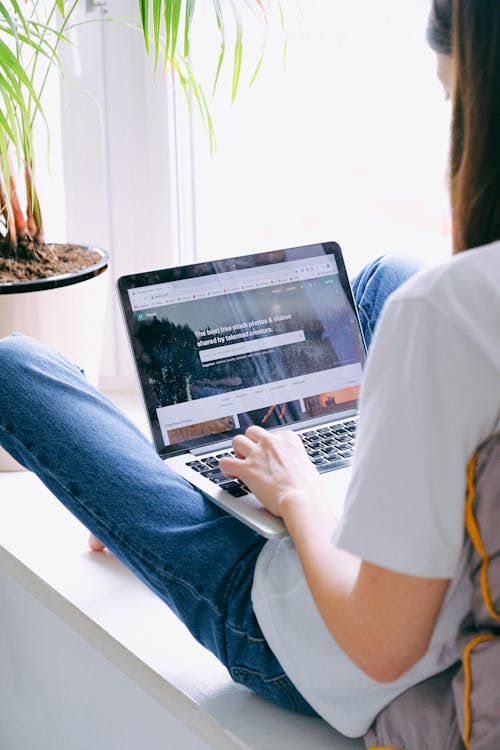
(271, 339)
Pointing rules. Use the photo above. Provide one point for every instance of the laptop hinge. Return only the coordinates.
(211, 447)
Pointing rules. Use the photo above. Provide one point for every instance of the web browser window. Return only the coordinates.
(270, 345)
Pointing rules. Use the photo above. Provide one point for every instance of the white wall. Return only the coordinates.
(58, 693)
(117, 171)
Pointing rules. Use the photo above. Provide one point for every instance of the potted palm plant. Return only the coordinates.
(39, 280)
(56, 292)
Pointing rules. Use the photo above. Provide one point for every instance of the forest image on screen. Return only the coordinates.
(269, 356)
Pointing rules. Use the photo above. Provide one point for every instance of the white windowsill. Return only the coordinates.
(43, 550)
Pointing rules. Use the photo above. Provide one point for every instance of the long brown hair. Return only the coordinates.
(475, 143)
(474, 26)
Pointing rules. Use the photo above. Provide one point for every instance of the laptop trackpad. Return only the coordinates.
(247, 508)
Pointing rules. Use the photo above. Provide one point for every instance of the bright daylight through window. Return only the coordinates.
(345, 142)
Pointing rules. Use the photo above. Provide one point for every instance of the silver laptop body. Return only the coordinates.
(272, 339)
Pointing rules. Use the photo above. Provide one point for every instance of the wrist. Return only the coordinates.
(307, 513)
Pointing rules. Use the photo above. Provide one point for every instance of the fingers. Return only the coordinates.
(244, 444)
(256, 433)
(230, 466)
(241, 445)
(259, 435)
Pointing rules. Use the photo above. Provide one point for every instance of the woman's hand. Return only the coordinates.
(276, 468)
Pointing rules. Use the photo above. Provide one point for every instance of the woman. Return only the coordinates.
(335, 626)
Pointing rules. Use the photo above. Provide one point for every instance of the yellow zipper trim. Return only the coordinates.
(468, 681)
(475, 535)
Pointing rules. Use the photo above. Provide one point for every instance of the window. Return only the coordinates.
(347, 143)
(119, 160)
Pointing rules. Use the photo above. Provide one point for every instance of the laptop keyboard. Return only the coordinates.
(209, 468)
(328, 448)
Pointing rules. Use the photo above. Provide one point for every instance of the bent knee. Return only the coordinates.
(15, 349)
(23, 358)
(394, 270)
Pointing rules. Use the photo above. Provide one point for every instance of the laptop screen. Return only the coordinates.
(271, 339)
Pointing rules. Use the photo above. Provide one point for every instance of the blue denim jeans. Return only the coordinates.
(199, 560)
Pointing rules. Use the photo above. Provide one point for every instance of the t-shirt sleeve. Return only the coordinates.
(425, 406)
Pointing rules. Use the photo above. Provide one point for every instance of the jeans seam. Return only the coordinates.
(118, 537)
(238, 631)
(279, 680)
(257, 673)
(148, 560)
(162, 572)
(365, 318)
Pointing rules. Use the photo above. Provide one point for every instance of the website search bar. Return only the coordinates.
(255, 345)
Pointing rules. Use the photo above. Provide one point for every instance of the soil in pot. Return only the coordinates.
(57, 260)
(31, 302)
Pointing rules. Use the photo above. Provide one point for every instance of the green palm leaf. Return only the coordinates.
(171, 28)
(220, 24)
(30, 34)
(238, 50)
(144, 13)
(172, 21)
(4, 11)
(174, 32)
(190, 6)
(157, 27)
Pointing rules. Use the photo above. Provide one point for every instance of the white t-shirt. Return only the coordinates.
(430, 396)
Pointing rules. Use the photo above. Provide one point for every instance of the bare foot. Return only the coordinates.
(95, 545)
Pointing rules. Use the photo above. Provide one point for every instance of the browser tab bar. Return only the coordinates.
(231, 282)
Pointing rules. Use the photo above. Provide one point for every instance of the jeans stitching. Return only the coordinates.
(116, 536)
(161, 572)
(283, 684)
(280, 681)
(122, 541)
(365, 319)
(240, 669)
(238, 631)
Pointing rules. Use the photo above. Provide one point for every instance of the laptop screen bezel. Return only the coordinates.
(208, 268)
